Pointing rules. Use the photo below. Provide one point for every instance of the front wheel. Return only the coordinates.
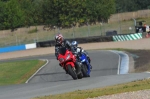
(72, 72)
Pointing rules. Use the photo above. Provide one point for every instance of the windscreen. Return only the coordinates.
(62, 50)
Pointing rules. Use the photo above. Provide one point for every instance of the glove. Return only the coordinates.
(74, 53)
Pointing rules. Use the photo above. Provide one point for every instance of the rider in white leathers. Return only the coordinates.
(79, 50)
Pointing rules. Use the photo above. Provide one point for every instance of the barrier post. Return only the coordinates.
(144, 34)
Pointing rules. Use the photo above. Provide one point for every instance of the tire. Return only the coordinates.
(84, 71)
(72, 72)
(80, 76)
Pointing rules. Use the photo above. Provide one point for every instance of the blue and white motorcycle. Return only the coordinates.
(86, 66)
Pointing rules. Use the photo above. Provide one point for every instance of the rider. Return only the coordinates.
(79, 49)
(61, 42)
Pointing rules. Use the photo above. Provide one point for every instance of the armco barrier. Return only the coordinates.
(30, 46)
(123, 37)
(127, 37)
(52, 43)
(17, 48)
(12, 48)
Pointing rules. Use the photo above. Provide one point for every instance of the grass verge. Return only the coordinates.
(84, 94)
(19, 71)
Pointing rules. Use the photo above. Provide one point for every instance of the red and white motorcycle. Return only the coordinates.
(67, 61)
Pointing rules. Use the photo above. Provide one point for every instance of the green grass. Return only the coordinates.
(19, 71)
(84, 94)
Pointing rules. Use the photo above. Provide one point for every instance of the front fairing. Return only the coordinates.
(67, 57)
(83, 58)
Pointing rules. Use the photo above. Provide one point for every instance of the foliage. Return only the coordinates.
(33, 30)
(27, 8)
(2, 15)
(65, 13)
(131, 5)
(13, 15)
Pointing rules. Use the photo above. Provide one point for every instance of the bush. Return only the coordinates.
(33, 30)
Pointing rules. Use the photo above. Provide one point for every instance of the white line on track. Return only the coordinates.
(38, 70)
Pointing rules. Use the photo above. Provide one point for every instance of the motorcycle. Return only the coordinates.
(67, 61)
(86, 66)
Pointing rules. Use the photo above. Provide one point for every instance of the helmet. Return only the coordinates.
(74, 44)
(59, 38)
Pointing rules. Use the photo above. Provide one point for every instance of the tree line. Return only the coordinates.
(65, 13)
(131, 5)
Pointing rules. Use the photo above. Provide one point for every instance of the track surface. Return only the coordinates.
(53, 80)
(103, 62)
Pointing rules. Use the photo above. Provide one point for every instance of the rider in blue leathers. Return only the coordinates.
(80, 50)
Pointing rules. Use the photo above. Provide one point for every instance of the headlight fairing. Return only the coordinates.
(83, 60)
(61, 60)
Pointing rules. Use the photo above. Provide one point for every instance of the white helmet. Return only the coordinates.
(74, 44)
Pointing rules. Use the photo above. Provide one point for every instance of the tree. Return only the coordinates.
(37, 12)
(131, 5)
(14, 15)
(142, 4)
(54, 12)
(50, 12)
(98, 10)
(2, 16)
(27, 9)
(72, 12)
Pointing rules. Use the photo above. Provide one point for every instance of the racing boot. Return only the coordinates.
(89, 61)
(65, 70)
(91, 67)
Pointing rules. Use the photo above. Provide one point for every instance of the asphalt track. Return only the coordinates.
(52, 79)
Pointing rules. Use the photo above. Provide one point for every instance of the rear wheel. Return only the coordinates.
(80, 76)
(72, 72)
(85, 70)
